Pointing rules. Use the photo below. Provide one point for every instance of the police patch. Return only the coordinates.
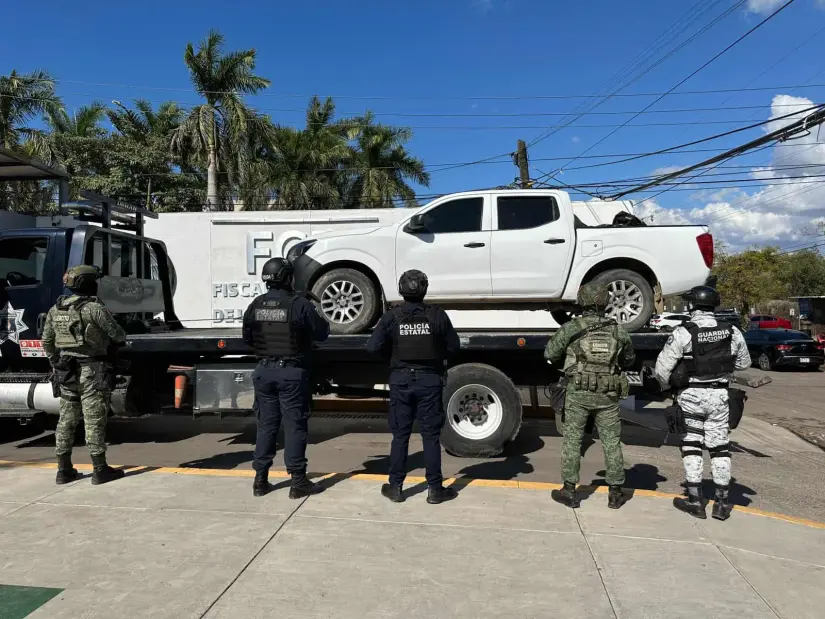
(270, 315)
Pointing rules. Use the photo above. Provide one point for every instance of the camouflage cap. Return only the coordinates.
(593, 295)
(75, 275)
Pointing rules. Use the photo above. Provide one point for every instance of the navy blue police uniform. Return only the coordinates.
(281, 327)
(418, 339)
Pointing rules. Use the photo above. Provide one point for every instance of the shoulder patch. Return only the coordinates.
(670, 341)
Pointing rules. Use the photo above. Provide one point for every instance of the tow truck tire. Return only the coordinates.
(363, 296)
(612, 278)
(483, 411)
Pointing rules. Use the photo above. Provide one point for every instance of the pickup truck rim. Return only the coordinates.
(626, 301)
(342, 302)
(475, 412)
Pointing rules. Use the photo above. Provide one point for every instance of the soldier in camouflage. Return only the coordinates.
(592, 352)
(77, 337)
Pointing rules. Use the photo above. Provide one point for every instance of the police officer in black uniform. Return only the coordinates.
(419, 339)
(281, 326)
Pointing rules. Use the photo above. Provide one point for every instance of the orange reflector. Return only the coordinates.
(221, 344)
(521, 342)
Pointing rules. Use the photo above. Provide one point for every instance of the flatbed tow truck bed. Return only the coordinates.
(229, 342)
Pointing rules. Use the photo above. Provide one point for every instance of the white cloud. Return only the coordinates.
(764, 6)
(666, 170)
(778, 213)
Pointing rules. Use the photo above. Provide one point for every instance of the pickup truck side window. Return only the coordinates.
(525, 212)
(462, 215)
(22, 260)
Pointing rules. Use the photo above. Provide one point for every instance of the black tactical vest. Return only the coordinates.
(413, 340)
(711, 351)
(273, 334)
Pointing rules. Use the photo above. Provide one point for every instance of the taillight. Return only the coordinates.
(819, 346)
(783, 347)
(705, 242)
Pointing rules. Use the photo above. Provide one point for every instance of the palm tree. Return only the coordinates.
(84, 122)
(23, 98)
(220, 128)
(381, 166)
(307, 164)
(143, 122)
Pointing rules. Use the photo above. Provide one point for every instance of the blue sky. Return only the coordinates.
(427, 59)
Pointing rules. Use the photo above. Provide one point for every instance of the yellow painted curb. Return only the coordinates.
(459, 481)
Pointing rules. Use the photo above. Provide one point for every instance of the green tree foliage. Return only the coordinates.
(759, 275)
(220, 154)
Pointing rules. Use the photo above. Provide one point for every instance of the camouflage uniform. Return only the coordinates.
(86, 393)
(595, 382)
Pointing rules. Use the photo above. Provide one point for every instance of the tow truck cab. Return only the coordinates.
(137, 286)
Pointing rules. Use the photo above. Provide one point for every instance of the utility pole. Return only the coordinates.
(520, 160)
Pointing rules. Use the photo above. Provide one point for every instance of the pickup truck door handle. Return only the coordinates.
(473, 245)
(554, 241)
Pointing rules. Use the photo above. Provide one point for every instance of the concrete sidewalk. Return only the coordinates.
(183, 543)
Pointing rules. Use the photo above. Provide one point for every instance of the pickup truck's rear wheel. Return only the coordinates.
(483, 409)
(349, 300)
(631, 297)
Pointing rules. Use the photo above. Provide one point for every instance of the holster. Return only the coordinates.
(736, 406)
(558, 394)
(103, 374)
(65, 373)
(675, 419)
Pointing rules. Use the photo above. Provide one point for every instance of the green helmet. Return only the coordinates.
(593, 295)
(81, 276)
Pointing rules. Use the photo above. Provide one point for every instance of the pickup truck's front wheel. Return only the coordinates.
(631, 298)
(349, 300)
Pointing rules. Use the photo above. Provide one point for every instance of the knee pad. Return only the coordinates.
(720, 451)
(691, 448)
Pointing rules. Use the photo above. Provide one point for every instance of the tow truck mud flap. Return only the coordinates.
(483, 410)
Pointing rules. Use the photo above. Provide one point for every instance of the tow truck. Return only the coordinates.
(166, 368)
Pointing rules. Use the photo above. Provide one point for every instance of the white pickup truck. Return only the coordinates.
(500, 249)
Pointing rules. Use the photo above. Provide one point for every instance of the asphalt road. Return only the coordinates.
(773, 468)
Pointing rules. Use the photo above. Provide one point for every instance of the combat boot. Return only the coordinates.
(102, 472)
(66, 473)
(302, 487)
(440, 494)
(694, 504)
(261, 486)
(567, 495)
(721, 504)
(393, 492)
(615, 497)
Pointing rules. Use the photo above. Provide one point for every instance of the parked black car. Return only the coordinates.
(770, 348)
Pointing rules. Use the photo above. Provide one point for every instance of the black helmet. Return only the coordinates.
(413, 284)
(276, 272)
(703, 298)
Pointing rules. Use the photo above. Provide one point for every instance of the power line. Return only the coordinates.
(701, 68)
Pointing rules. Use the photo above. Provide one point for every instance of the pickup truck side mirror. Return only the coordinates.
(416, 224)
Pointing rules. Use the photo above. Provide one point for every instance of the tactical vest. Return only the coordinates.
(712, 358)
(273, 334)
(595, 364)
(70, 330)
(414, 341)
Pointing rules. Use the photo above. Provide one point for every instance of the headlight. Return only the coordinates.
(299, 249)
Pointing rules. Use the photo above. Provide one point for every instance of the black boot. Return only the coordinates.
(567, 495)
(261, 486)
(393, 493)
(102, 472)
(66, 473)
(694, 504)
(440, 494)
(302, 487)
(615, 497)
(721, 504)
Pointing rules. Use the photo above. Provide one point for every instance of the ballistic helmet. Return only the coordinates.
(277, 272)
(703, 298)
(413, 284)
(593, 296)
(82, 279)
